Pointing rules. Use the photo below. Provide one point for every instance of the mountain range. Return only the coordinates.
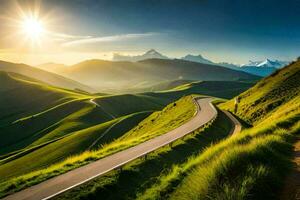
(118, 75)
(266, 63)
(259, 68)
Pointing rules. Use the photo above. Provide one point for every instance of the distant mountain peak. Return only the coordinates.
(266, 63)
(152, 53)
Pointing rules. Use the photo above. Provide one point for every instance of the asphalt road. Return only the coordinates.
(54, 186)
(237, 127)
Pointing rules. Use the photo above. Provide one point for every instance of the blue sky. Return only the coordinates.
(222, 30)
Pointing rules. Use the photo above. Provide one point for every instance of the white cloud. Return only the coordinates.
(113, 38)
(68, 36)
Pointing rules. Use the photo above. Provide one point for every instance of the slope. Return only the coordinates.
(104, 134)
(254, 163)
(44, 76)
(27, 97)
(50, 113)
(267, 95)
(221, 89)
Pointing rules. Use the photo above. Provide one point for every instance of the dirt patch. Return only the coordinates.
(291, 190)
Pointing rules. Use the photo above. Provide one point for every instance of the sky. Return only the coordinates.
(222, 30)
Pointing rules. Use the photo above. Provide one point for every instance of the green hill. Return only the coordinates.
(43, 76)
(38, 114)
(73, 150)
(268, 95)
(21, 97)
(221, 89)
(40, 118)
(152, 87)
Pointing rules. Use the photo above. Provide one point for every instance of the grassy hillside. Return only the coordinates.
(222, 89)
(71, 144)
(267, 95)
(44, 76)
(152, 87)
(130, 103)
(21, 97)
(32, 107)
(254, 163)
(110, 136)
(53, 118)
(123, 75)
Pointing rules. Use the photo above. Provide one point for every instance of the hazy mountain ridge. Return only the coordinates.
(44, 76)
(118, 74)
(52, 67)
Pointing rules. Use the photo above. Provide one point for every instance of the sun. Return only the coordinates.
(33, 28)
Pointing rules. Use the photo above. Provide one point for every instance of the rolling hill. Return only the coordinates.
(103, 138)
(38, 113)
(267, 95)
(52, 67)
(44, 76)
(118, 75)
(221, 89)
(40, 118)
(21, 96)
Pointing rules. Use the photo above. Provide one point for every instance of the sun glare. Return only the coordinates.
(32, 28)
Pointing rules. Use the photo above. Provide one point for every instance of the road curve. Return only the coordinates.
(71, 179)
(237, 126)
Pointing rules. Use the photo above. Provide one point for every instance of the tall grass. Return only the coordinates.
(251, 165)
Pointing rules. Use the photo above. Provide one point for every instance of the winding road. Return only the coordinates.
(205, 113)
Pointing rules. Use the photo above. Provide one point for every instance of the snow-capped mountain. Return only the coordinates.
(197, 58)
(266, 63)
(148, 55)
(263, 68)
